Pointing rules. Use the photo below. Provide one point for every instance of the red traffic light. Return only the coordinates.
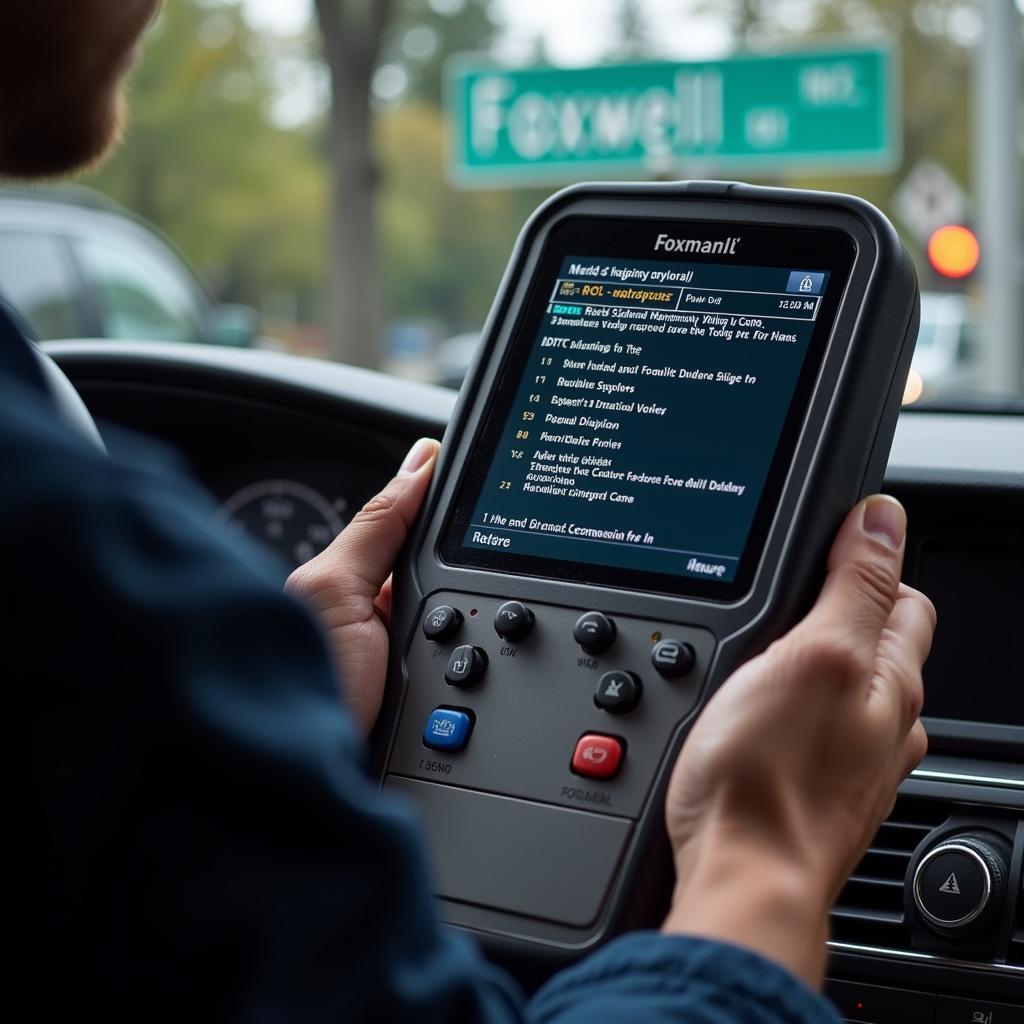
(953, 250)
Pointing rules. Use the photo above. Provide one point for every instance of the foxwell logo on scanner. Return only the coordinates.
(724, 246)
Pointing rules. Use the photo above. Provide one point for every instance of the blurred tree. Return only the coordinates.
(423, 36)
(413, 39)
(631, 32)
(352, 32)
(444, 250)
(203, 161)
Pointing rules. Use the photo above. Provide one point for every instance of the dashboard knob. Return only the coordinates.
(960, 884)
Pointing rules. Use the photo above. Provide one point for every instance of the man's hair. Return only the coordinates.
(61, 70)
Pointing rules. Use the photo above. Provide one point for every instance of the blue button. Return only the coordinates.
(447, 729)
(805, 282)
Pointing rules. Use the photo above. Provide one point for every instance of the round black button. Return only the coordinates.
(442, 624)
(594, 632)
(618, 692)
(961, 883)
(514, 621)
(672, 658)
(466, 666)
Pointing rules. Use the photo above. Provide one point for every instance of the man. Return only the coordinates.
(202, 842)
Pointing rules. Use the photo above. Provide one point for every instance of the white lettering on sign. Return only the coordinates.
(575, 124)
(612, 128)
(532, 126)
(831, 85)
(699, 98)
(487, 119)
(653, 119)
(766, 127)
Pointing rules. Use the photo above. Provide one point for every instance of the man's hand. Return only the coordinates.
(348, 586)
(794, 763)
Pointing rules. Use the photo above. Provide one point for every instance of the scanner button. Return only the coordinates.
(594, 632)
(598, 757)
(514, 621)
(672, 659)
(447, 729)
(618, 692)
(466, 666)
(442, 623)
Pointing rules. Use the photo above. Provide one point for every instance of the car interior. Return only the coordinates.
(289, 448)
(678, 286)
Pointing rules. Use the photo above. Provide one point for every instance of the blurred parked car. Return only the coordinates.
(946, 356)
(76, 265)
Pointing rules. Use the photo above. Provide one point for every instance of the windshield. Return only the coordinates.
(357, 183)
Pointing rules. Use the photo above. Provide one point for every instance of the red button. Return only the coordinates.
(598, 757)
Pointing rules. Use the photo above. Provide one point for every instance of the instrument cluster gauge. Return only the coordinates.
(291, 518)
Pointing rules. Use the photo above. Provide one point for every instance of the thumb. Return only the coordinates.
(361, 558)
(863, 573)
(366, 550)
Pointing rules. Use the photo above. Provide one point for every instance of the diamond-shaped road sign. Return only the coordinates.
(929, 198)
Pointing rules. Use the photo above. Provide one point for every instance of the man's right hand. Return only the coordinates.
(794, 763)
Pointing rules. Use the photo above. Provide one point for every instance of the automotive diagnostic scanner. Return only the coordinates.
(680, 392)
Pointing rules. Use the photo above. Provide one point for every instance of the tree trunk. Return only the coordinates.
(351, 31)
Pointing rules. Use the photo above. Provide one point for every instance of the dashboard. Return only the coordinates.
(289, 449)
(286, 463)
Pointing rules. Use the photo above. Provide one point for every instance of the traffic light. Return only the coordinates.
(953, 250)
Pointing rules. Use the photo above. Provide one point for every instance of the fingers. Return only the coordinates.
(903, 649)
(913, 620)
(915, 748)
(896, 692)
(366, 550)
(362, 556)
(863, 579)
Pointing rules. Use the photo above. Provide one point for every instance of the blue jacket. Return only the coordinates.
(202, 840)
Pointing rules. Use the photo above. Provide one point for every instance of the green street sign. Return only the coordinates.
(836, 107)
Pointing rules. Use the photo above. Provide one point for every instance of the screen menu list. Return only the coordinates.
(648, 415)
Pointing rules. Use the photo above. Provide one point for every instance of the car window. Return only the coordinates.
(36, 279)
(384, 248)
(138, 295)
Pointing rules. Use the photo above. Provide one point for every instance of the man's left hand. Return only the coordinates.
(348, 586)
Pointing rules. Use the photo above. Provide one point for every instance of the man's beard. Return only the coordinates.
(48, 144)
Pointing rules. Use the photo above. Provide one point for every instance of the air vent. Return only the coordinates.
(869, 911)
